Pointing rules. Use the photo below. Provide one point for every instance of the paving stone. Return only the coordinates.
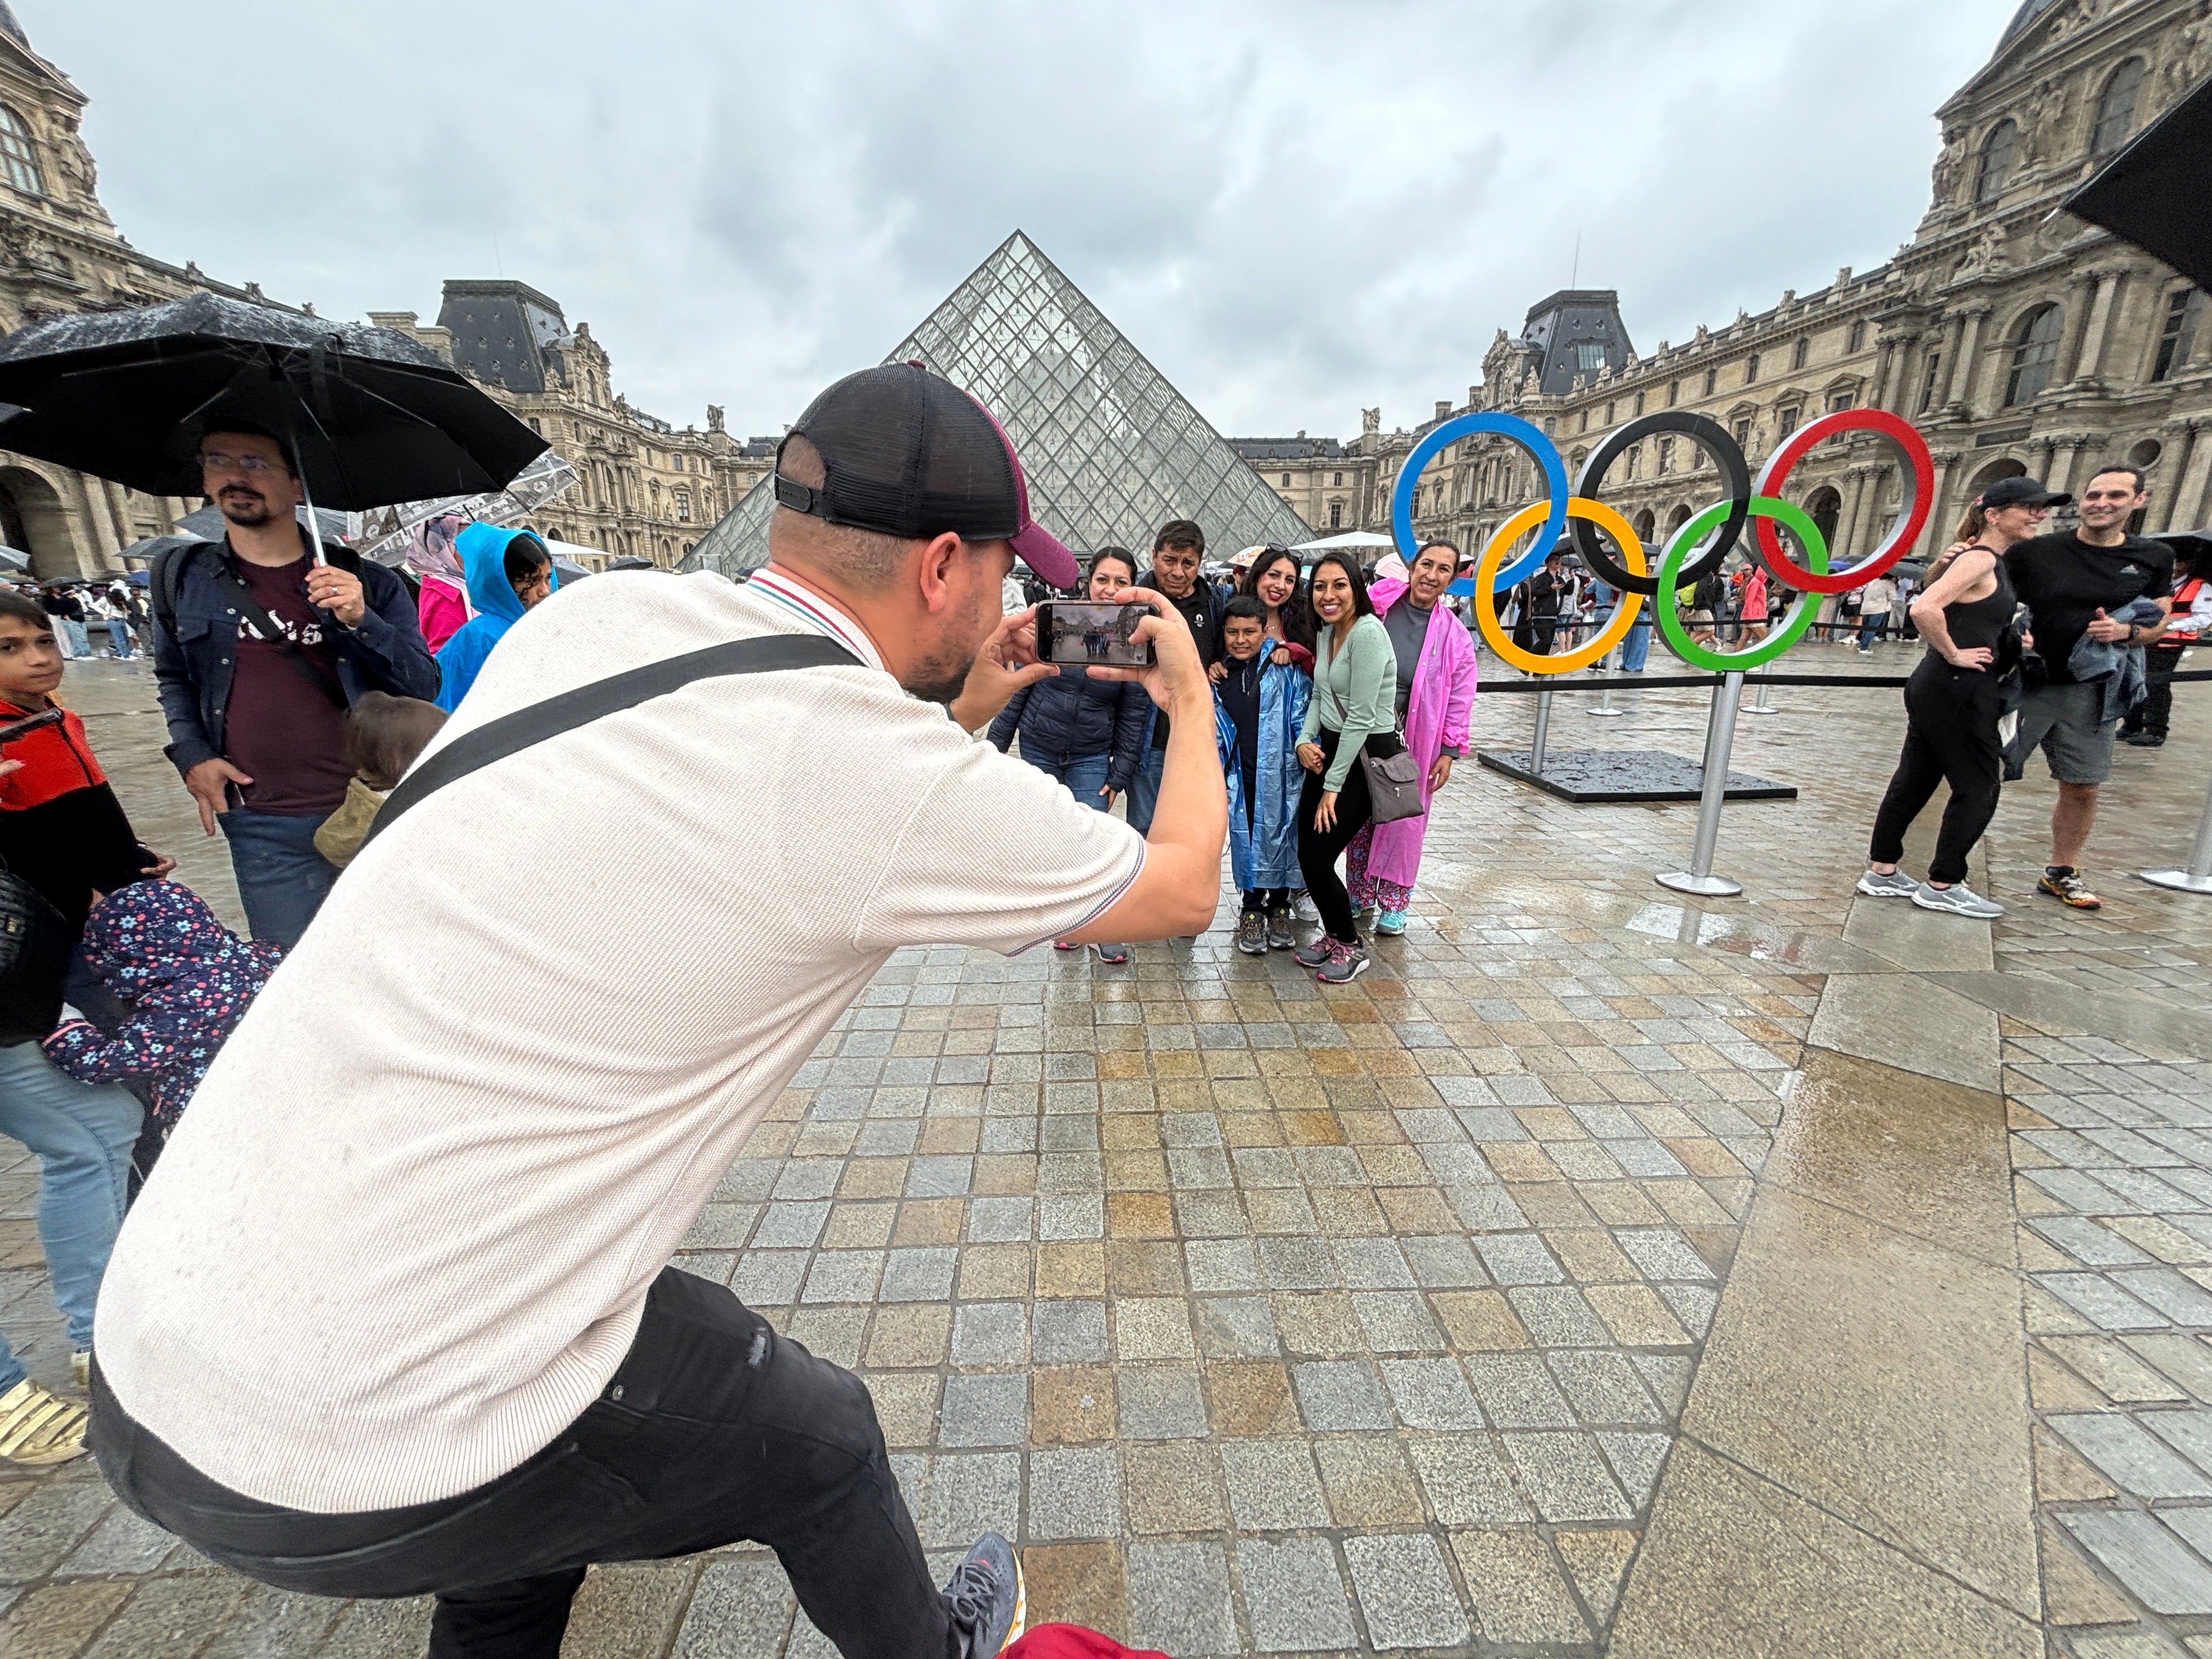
(120, 1544)
(1517, 1392)
(1518, 1258)
(53, 1621)
(1272, 1484)
(2145, 1557)
(918, 1275)
(1519, 1594)
(1075, 1492)
(971, 1494)
(1406, 1592)
(625, 1610)
(1467, 1480)
(2131, 1458)
(1236, 1326)
(1152, 1328)
(1063, 1333)
(401, 1629)
(1334, 1394)
(1180, 1600)
(1227, 1264)
(1368, 1482)
(1174, 1486)
(1431, 1393)
(40, 1531)
(1161, 1403)
(1565, 1477)
(165, 1614)
(1604, 1387)
(270, 1622)
(985, 1410)
(1293, 1597)
(990, 1334)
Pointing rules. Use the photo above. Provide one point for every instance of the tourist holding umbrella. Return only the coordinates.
(264, 639)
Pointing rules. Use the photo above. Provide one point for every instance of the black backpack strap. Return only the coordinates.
(166, 578)
(510, 733)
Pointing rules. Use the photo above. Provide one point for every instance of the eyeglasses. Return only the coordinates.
(251, 465)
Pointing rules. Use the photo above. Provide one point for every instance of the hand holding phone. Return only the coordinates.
(1085, 634)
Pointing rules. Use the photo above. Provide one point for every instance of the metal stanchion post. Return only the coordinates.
(1760, 705)
(2197, 877)
(1543, 730)
(1608, 668)
(1720, 738)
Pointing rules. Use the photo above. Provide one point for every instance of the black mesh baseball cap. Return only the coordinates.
(2021, 492)
(905, 452)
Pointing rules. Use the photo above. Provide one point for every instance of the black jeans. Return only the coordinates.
(1319, 850)
(2155, 711)
(715, 1428)
(1950, 735)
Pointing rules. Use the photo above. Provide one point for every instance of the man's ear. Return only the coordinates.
(936, 570)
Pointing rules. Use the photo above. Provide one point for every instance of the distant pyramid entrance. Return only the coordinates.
(1112, 451)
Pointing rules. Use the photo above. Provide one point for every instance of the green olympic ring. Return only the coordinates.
(1792, 630)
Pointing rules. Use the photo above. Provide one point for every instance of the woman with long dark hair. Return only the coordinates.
(1354, 707)
(1273, 579)
(1089, 733)
(1951, 705)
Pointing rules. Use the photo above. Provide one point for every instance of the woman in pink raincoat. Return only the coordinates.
(445, 605)
(1436, 691)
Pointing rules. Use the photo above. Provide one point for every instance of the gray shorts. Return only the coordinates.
(2061, 720)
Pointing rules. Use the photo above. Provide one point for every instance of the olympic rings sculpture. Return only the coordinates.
(1579, 515)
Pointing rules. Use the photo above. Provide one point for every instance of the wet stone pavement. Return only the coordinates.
(1603, 1273)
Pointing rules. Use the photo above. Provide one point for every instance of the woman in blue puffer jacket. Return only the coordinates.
(1091, 734)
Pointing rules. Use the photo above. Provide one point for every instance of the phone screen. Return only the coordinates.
(1102, 634)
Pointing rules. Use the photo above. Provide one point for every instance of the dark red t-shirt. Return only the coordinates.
(278, 730)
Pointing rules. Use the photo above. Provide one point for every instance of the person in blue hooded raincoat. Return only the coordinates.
(508, 571)
(1258, 705)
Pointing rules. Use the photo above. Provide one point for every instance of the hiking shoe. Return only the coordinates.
(1391, 924)
(1895, 884)
(1313, 955)
(2065, 884)
(986, 1598)
(1114, 954)
(1959, 900)
(1345, 964)
(1303, 907)
(1252, 933)
(2145, 739)
(1279, 937)
(39, 1427)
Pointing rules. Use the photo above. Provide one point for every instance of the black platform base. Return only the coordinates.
(1626, 775)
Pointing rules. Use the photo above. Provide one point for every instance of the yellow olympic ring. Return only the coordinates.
(1494, 554)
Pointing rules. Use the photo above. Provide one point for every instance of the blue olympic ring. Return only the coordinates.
(1541, 450)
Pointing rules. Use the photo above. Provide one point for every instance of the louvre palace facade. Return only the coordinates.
(2016, 341)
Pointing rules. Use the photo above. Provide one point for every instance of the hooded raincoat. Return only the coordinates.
(1263, 841)
(483, 548)
(1435, 716)
(189, 981)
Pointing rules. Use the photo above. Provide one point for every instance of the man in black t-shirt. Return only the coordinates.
(2078, 584)
(1177, 551)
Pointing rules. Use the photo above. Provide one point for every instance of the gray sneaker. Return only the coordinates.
(1303, 907)
(1345, 964)
(987, 1600)
(1895, 884)
(1252, 933)
(1313, 955)
(1959, 900)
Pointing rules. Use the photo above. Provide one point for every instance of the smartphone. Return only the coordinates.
(14, 731)
(1082, 633)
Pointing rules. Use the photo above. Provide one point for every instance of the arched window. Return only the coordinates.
(1999, 151)
(2115, 110)
(17, 159)
(2034, 354)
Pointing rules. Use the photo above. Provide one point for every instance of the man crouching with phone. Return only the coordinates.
(395, 1315)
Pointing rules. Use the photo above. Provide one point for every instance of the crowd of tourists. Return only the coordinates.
(489, 1105)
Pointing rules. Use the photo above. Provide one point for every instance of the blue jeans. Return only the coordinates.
(1145, 791)
(1637, 647)
(82, 1133)
(281, 879)
(118, 633)
(80, 641)
(1084, 775)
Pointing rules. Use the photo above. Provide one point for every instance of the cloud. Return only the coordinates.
(1294, 210)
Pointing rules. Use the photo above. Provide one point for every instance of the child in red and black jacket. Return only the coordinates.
(61, 828)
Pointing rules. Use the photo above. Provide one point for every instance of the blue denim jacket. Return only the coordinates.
(384, 652)
(2116, 669)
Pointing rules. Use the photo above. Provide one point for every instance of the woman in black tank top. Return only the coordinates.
(1951, 705)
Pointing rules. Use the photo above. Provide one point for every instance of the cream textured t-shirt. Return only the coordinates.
(403, 1236)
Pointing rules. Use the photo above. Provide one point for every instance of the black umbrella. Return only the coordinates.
(2197, 544)
(371, 417)
(2157, 191)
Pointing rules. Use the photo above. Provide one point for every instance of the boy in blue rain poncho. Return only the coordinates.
(509, 572)
(1260, 703)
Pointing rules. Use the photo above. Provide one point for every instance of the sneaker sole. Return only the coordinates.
(1357, 969)
(2071, 904)
(1989, 915)
(1014, 1631)
(1388, 933)
(1887, 892)
(1253, 949)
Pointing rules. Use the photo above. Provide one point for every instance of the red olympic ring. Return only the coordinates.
(1919, 498)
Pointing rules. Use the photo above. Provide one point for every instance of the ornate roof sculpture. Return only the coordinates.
(1112, 450)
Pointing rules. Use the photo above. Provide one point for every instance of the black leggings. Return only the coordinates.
(1260, 900)
(2156, 711)
(1319, 850)
(1950, 735)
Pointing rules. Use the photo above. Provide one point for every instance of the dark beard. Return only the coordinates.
(246, 515)
(935, 683)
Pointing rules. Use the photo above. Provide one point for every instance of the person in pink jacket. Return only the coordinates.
(1436, 693)
(444, 605)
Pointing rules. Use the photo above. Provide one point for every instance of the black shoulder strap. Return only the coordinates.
(165, 579)
(271, 629)
(510, 733)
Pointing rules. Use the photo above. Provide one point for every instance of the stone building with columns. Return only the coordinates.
(2017, 342)
(1327, 483)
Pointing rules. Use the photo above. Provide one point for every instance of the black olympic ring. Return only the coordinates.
(1710, 436)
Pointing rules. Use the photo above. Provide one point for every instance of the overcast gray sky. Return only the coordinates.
(1294, 208)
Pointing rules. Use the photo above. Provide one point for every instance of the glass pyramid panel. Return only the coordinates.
(1112, 451)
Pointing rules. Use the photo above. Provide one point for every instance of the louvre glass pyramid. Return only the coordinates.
(1112, 451)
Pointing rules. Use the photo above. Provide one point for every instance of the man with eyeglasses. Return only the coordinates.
(259, 651)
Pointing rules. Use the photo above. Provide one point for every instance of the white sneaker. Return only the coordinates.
(1303, 907)
(1959, 900)
(1896, 884)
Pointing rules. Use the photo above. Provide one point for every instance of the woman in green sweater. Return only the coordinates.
(1355, 699)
